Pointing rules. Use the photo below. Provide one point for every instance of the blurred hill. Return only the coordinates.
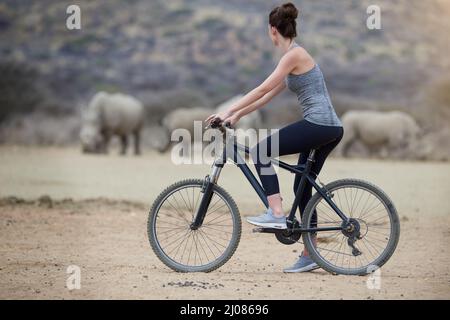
(187, 53)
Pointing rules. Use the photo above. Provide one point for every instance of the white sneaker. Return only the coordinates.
(303, 264)
(268, 220)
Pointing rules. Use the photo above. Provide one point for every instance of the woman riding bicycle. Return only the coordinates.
(320, 128)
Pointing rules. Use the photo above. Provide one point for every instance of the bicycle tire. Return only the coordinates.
(234, 242)
(394, 234)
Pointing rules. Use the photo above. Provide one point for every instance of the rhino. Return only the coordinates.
(391, 130)
(108, 115)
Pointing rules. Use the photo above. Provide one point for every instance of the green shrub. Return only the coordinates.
(20, 88)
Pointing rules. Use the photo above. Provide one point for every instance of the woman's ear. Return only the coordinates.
(273, 34)
(273, 30)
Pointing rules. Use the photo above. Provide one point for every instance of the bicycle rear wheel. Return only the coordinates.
(376, 229)
(183, 249)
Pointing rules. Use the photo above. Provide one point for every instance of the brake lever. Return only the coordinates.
(208, 126)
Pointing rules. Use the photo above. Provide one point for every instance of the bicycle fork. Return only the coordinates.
(207, 190)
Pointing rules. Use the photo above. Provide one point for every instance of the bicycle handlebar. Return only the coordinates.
(219, 124)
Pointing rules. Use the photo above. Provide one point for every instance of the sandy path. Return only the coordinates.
(107, 238)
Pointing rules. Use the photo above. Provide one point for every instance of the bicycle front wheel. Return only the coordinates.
(182, 248)
(370, 241)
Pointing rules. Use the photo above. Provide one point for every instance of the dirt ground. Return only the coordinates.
(95, 217)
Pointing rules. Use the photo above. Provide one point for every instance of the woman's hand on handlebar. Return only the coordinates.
(221, 116)
(232, 120)
(226, 118)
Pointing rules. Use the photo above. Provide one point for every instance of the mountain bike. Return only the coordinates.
(349, 226)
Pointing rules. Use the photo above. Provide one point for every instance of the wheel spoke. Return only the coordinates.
(371, 214)
(193, 248)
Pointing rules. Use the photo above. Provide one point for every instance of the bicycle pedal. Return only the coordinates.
(258, 230)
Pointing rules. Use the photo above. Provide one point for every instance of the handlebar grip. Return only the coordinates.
(216, 123)
(228, 125)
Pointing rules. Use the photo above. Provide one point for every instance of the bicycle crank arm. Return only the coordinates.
(300, 230)
(266, 230)
(273, 230)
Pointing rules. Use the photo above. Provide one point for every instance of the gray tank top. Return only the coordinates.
(313, 96)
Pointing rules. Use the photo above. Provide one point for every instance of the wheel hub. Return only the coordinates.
(351, 229)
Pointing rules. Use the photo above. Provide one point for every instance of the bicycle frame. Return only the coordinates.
(303, 170)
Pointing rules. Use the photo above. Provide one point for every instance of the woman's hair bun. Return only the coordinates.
(283, 18)
(289, 11)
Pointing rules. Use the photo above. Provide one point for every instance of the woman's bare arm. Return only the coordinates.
(285, 66)
(262, 101)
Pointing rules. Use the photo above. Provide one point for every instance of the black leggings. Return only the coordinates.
(298, 137)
